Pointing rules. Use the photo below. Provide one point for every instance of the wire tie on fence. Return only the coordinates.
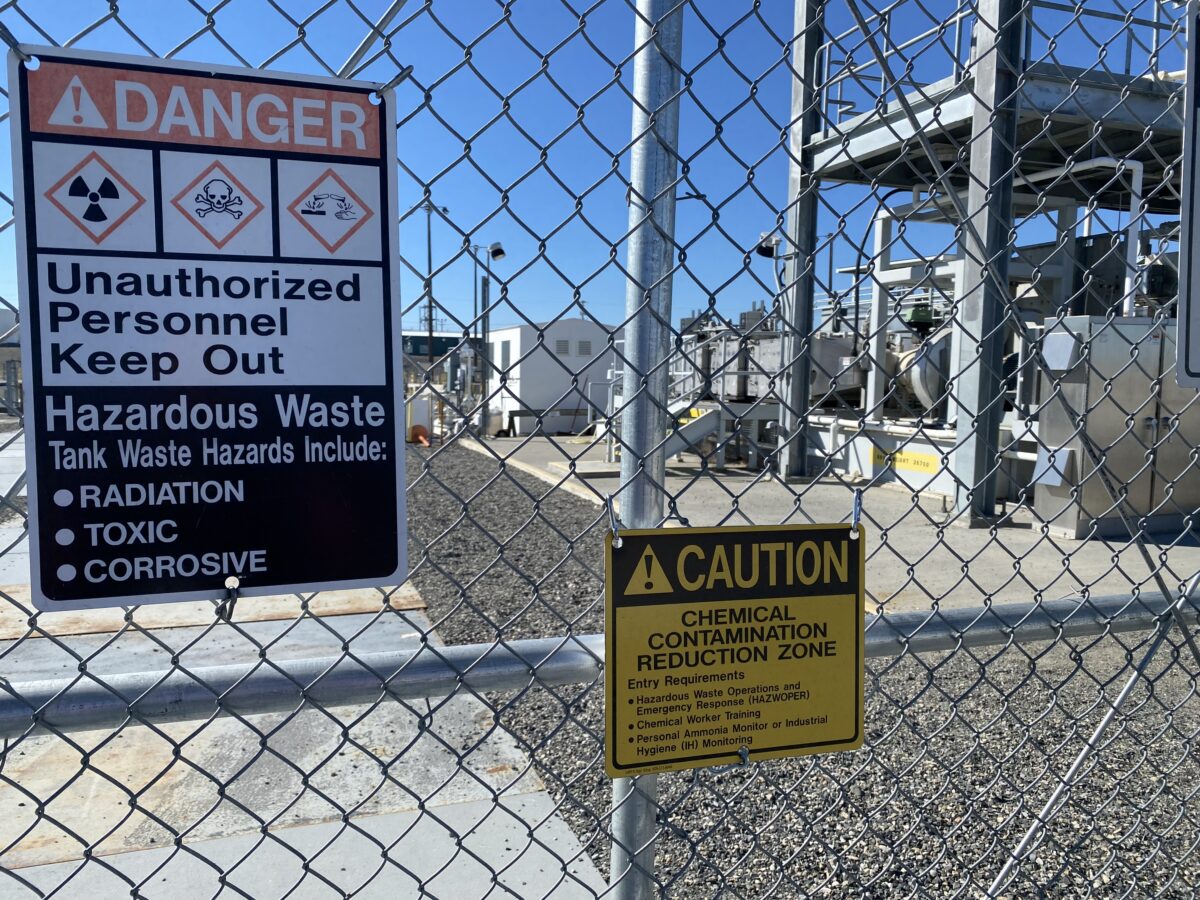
(855, 514)
(613, 523)
(225, 607)
(13, 44)
(400, 76)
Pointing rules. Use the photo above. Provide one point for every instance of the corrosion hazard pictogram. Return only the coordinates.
(217, 204)
(95, 197)
(330, 210)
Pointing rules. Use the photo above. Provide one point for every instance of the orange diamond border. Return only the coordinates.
(96, 238)
(216, 165)
(332, 248)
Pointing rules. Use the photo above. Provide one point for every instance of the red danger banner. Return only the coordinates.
(112, 103)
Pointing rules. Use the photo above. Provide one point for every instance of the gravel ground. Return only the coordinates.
(962, 748)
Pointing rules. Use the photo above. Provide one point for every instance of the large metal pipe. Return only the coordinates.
(654, 168)
(174, 695)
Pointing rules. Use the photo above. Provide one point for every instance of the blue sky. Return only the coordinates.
(505, 105)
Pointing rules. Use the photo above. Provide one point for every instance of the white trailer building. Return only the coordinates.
(534, 368)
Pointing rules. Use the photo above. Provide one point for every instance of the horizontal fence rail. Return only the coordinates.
(200, 693)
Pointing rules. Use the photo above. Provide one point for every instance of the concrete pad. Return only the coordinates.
(14, 555)
(229, 776)
(12, 453)
(401, 855)
(12, 463)
(598, 468)
(285, 607)
(211, 645)
(587, 468)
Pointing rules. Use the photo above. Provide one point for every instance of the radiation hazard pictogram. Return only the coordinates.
(217, 204)
(330, 210)
(648, 576)
(95, 197)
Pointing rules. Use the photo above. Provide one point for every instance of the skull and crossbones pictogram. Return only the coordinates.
(217, 197)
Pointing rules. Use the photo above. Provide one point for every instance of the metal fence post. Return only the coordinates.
(802, 238)
(658, 39)
(978, 396)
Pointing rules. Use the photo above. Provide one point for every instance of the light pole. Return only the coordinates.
(475, 248)
(495, 254)
(429, 210)
(791, 422)
(768, 247)
(474, 342)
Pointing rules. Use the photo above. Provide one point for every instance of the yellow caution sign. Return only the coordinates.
(724, 643)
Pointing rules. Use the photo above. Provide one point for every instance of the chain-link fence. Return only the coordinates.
(923, 253)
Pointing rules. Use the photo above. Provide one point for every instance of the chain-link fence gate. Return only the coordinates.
(925, 251)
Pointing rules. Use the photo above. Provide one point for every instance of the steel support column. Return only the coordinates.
(654, 168)
(798, 290)
(981, 314)
(881, 313)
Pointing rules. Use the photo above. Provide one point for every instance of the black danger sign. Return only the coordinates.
(732, 643)
(208, 278)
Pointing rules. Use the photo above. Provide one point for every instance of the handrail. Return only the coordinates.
(1101, 14)
(834, 80)
(873, 63)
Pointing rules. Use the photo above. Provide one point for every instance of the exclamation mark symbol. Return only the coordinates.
(75, 108)
(77, 103)
(648, 576)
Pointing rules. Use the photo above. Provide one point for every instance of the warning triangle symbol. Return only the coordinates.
(76, 108)
(648, 576)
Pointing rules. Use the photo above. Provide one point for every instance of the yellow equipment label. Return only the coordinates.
(909, 460)
(724, 642)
